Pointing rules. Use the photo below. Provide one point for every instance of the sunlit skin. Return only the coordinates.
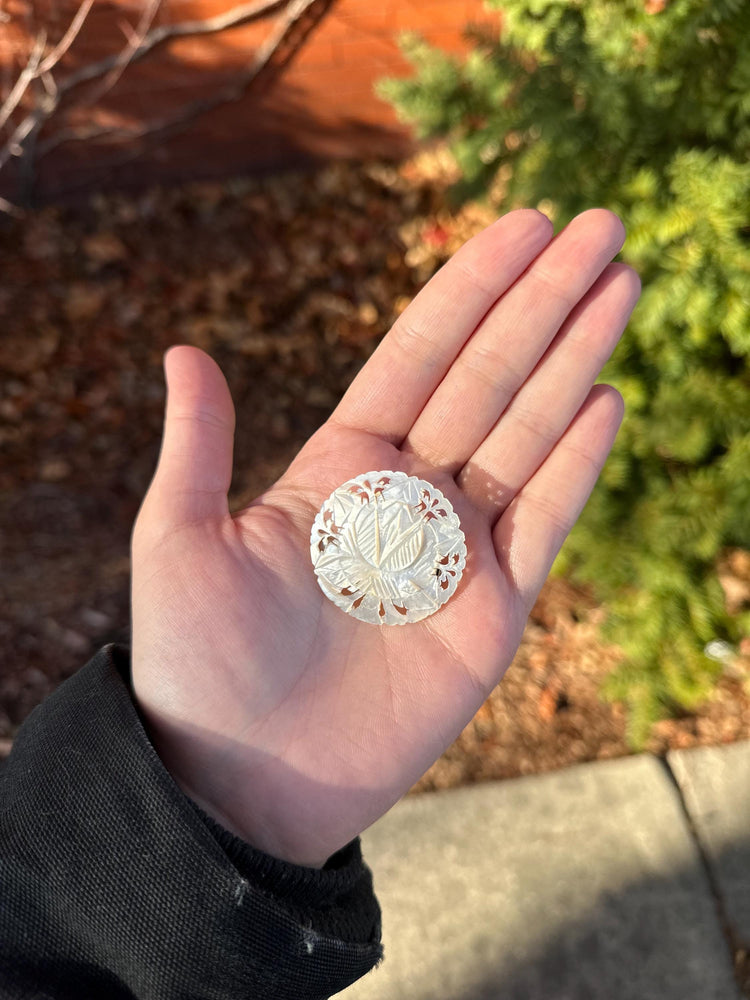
(292, 723)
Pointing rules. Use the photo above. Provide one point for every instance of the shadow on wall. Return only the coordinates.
(202, 107)
(286, 140)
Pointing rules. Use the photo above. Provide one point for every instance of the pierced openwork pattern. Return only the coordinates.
(388, 548)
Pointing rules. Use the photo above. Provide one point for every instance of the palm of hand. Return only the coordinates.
(293, 723)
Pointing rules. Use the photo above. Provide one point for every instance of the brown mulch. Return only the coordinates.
(289, 282)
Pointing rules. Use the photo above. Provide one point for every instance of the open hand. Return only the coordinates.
(292, 723)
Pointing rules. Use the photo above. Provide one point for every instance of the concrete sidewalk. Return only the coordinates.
(619, 880)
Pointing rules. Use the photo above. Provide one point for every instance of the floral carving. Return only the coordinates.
(387, 548)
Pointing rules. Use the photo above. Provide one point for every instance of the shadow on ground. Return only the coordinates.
(579, 885)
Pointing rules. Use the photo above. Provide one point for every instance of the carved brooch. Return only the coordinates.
(388, 548)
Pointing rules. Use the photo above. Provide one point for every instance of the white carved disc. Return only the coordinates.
(387, 548)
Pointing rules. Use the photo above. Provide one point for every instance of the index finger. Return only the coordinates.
(390, 391)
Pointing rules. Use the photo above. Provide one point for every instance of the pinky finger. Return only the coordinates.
(534, 526)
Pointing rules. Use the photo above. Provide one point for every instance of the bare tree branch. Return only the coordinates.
(31, 125)
(37, 67)
(189, 112)
(24, 142)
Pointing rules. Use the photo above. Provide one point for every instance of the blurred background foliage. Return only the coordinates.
(643, 107)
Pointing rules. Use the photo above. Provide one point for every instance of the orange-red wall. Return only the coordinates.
(320, 103)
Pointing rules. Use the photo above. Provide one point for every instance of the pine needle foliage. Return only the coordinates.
(641, 106)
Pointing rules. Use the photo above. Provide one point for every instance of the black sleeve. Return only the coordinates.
(115, 884)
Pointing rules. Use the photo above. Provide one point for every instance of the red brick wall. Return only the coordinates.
(319, 103)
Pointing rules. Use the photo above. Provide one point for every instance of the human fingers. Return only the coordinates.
(194, 471)
(390, 391)
(541, 410)
(496, 361)
(535, 524)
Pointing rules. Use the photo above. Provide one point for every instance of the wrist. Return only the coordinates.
(267, 844)
(195, 770)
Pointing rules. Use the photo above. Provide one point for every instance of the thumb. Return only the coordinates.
(195, 463)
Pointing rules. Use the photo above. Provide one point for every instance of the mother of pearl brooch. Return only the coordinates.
(387, 548)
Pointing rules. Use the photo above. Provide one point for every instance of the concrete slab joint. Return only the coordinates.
(585, 883)
(715, 787)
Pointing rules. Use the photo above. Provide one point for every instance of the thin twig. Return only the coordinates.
(27, 160)
(127, 55)
(27, 74)
(67, 39)
(10, 209)
(49, 84)
(230, 19)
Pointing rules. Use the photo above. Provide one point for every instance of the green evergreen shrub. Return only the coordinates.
(644, 108)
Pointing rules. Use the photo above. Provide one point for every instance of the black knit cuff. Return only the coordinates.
(114, 883)
(336, 900)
